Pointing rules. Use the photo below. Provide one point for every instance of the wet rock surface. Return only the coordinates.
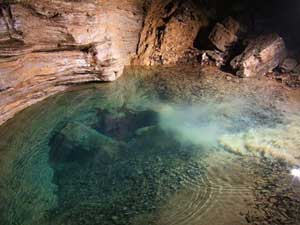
(261, 56)
(47, 46)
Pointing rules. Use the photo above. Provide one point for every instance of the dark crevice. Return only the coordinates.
(201, 41)
(160, 34)
(171, 10)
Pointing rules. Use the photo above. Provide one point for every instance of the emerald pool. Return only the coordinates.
(162, 146)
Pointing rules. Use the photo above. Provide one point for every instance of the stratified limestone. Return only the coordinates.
(47, 45)
(262, 55)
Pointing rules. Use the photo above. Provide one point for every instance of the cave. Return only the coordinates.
(149, 112)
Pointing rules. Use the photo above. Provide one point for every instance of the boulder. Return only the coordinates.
(288, 65)
(225, 35)
(262, 55)
(222, 38)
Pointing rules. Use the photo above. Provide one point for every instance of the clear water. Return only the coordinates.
(172, 146)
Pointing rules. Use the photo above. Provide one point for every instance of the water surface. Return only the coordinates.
(165, 146)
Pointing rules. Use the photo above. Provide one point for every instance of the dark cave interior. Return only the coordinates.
(261, 17)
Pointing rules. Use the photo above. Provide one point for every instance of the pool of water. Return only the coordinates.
(167, 146)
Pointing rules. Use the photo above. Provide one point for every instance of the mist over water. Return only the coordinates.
(197, 124)
(152, 148)
(230, 124)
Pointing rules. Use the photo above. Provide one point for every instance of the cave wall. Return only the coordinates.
(175, 29)
(48, 45)
(169, 31)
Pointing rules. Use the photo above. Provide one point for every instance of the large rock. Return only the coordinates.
(262, 55)
(288, 65)
(224, 35)
(48, 45)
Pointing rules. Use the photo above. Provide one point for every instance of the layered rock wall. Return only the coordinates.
(47, 45)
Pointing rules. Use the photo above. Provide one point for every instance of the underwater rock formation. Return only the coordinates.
(123, 125)
(78, 137)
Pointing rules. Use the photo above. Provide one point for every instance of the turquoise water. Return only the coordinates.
(154, 147)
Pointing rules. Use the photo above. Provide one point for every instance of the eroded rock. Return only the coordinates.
(169, 31)
(262, 55)
(214, 56)
(288, 65)
(46, 46)
(226, 34)
(222, 38)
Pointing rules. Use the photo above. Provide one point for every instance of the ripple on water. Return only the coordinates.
(217, 195)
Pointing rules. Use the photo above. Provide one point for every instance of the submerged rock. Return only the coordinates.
(76, 140)
(262, 55)
(123, 125)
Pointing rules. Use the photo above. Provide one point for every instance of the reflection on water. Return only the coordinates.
(164, 146)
